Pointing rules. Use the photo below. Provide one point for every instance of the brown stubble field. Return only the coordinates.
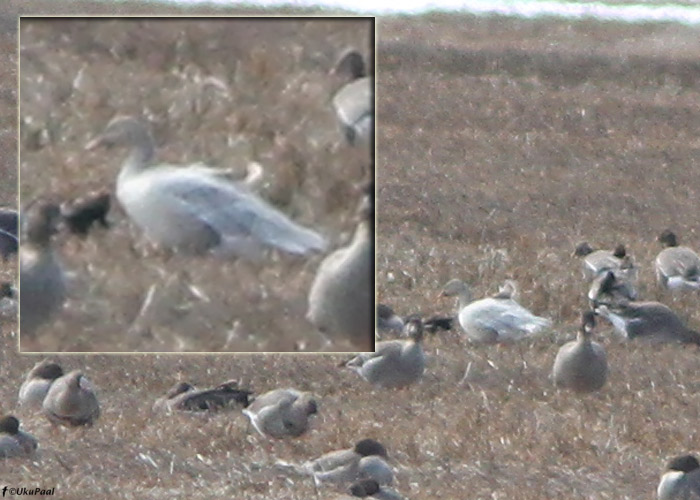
(500, 145)
(224, 92)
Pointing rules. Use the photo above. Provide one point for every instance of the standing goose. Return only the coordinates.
(71, 401)
(494, 319)
(681, 481)
(37, 383)
(650, 321)
(282, 413)
(677, 268)
(192, 208)
(42, 281)
(14, 442)
(365, 460)
(184, 397)
(611, 287)
(353, 103)
(395, 363)
(341, 298)
(581, 365)
(598, 261)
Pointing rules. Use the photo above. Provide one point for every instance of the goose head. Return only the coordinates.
(41, 223)
(610, 288)
(684, 463)
(350, 64)
(46, 370)
(583, 249)
(121, 131)
(9, 425)
(587, 324)
(620, 251)
(668, 238)
(179, 388)
(370, 447)
(414, 329)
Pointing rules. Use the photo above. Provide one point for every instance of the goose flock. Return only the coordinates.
(196, 210)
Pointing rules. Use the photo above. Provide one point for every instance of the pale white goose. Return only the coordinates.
(365, 460)
(611, 287)
(192, 208)
(42, 280)
(681, 481)
(598, 261)
(71, 401)
(282, 413)
(369, 488)
(677, 268)
(353, 102)
(494, 319)
(650, 321)
(13, 441)
(341, 298)
(394, 363)
(581, 365)
(37, 383)
(185, 397)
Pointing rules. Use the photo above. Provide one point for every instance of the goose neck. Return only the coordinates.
(140, 156)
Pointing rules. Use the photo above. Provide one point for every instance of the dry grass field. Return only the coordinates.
(224, 92)
(500, 145)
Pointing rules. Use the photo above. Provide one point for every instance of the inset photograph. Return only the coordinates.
(196, 184)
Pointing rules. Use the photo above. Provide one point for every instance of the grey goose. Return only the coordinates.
(681, 481)
(651, 321)
(282, 413)
(611, 287)
(185, 397)
(13, 441)
(581, 365)
(598, 261)
(677, 267)
(37, 383)
(71, 401)
(394, 363)
(42, 280)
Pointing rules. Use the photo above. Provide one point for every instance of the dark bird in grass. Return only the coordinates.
(184, 397)
(79, 215)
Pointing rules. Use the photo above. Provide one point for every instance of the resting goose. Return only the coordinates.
(193, 209)
(37, 383)
(581, 365)
(494, 319)
(365, 460)
(14, 442)
(681, 481)
(394, 363)
(353, 103)
(598, 261)
(611, 287)
(677, 268)
(42, 281)
(282, 413)
(184, 397)
(341, 298)
(650, 321)
(71, 401)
